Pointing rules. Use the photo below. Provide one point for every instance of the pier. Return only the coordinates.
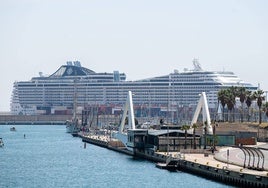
(204, 163)
(105, 142)
(168, 148)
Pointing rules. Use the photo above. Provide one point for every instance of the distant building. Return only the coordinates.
(160, 95)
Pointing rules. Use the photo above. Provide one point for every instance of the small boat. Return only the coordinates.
(72, 127)
(12, 129)
(1, 143)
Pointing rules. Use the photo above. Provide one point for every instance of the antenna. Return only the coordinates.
(77, 63)
(69, 63)
(197, 66)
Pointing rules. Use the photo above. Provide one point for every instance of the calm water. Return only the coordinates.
(49, 157)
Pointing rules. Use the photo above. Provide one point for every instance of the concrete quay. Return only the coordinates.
(105, 142)
(214, 166)
(221, 167)
(237, 157)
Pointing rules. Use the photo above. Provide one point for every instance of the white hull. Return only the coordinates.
(123, 138)
(72, 128)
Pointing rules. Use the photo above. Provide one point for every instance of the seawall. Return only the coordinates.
(34, 119)
(226, 175)
(209, 170)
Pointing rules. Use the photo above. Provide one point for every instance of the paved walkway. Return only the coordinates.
(211, 161)
(219, 160)
(237, 157)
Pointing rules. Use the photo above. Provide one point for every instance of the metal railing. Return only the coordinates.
(251, 154)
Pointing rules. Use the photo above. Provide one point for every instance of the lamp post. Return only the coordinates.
(168, 139)
(228, 158)
(205, 137)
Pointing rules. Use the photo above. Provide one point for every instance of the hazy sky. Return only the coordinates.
(142, 38)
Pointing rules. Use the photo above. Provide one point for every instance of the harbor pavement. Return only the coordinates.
(218, 159)
(234, 162)
(237, 157)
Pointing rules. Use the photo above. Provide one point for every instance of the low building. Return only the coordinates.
(161, 140)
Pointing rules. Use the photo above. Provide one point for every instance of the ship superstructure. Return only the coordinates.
(55, 93)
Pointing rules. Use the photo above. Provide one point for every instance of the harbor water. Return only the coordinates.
(46, 156)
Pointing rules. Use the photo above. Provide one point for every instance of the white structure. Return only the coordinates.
(128, 112)
(203, 105)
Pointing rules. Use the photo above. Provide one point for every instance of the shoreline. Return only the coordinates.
(200, 164)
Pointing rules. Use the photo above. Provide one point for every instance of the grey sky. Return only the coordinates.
(142, 38)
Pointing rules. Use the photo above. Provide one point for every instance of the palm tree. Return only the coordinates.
(258, 95)
(265, 108)
(242, 97)
(194, 126)
(249, 98)
(185, 128)
(205, 134)
(222, 99)
(214, 138)
(230, 100)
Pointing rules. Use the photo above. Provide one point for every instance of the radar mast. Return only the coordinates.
(197, 66)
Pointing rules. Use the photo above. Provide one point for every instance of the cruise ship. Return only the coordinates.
(54, 94)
